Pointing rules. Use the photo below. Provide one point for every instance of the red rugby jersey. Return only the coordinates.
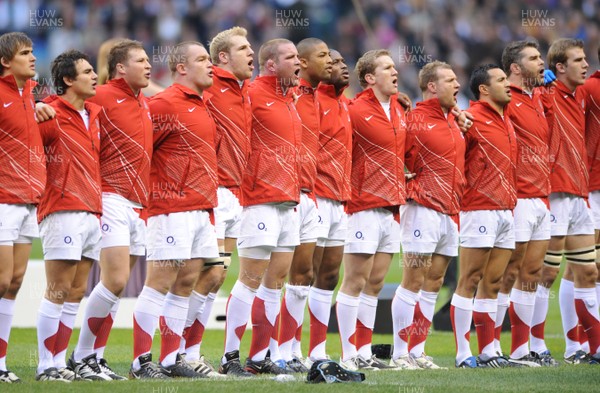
(490, 161)
(72, 160)
(591, 90)
(377, 153)
(125, 141)
(533, 138)
(184, 163)
(22, 159)
(308, 110)
(273, 171)
(229, 105)
(435, 152)
(334, 157)
(569, 172)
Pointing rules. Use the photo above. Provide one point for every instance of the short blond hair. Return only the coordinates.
(222, 42)
(366, 64)
(429, 73)
(270, 51)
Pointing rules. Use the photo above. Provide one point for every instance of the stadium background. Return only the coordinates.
(464, 33)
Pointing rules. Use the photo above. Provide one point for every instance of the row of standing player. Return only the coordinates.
(175, 279)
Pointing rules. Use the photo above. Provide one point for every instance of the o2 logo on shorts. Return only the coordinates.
(482, 229)
(105, 228)
(417, 233)
(171, 240)
(261, 226)
(552, 218)
(320, 220)
(68, 240)
(359, 235)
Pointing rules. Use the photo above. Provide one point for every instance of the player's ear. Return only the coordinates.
(223, 57)
(180, 68)
(270, 65)
(370, 78)
(515, 69)
(561, 68)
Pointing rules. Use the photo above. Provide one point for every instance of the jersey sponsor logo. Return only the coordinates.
(121, 100)
(171, 240)
(482, 229)
(7, 105)
(261, 226)
(105, 228)
(359, 235)
(553, 218)
(68, 240)
(270, 103)
(368, 118)
(417, 233)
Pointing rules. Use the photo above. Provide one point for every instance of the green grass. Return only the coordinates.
(22, 359)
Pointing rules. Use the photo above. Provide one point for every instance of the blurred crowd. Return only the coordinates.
(462, 32)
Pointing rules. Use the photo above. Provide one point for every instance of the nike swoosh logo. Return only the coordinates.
(270, 103)
(519, 103)
(121, 100)
(430, 126)
(488, 122)
(7, 105)
(566, 96)
(191, 109)
(241, 242)
(224, 90)
(368, 118)
(326, 112)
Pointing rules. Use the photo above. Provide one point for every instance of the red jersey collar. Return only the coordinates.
(329, 90)
(434, 107)
(224, 74)
(564, 89)
(271, 81)
(91, 108)
(305, 88)
(121, 84)
(595, 75)
(10, 81)
(489, 107)
(190, 92)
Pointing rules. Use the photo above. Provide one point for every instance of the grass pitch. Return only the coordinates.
(22, 359)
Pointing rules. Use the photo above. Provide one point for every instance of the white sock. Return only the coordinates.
(292, 317)
(522, 304)
(239, 306)
(145, 321)
(47, 330)
(461, 311)
(503, 303)
(99, 304)
(172, 322)
(272, 305)
(403, 312)
(195, 311)
(205, 315)
(426, 303)
(7, 311)
(319, 306)
(367, 310)
(568, 316)
(347, 310)
(586, 305)
(540, 311)
(65, 329)
(100, 349)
